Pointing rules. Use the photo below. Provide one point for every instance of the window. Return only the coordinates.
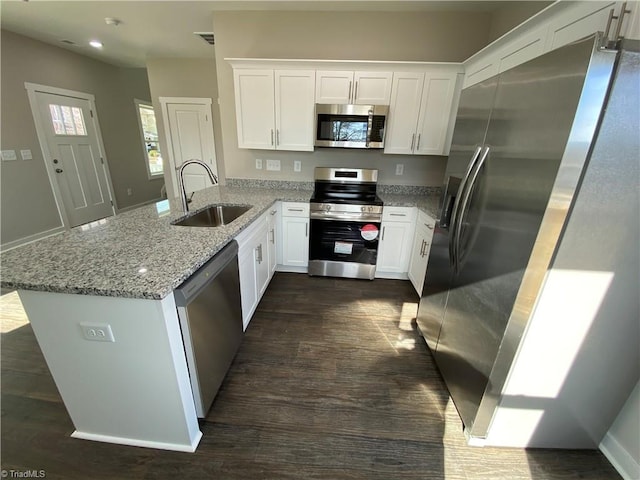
(67, 120)
(149, 133)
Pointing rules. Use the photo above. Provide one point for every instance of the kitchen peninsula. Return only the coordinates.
(121, 271)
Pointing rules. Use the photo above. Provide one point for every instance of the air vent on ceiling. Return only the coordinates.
(206, 36)
(68, 42)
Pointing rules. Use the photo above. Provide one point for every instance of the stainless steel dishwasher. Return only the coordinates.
(210, 315)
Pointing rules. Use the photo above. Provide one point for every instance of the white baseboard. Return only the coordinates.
(31, 238)
(290, 269)
(392, 275)
(622, 461)
(177, 447)
(137, 205)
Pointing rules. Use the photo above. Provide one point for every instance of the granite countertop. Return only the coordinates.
(139, 254)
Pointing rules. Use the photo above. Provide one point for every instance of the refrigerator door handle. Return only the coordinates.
(456, 204)
(463, 207)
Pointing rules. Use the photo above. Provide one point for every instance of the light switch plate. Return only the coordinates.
(399, 169)
(273, 165)
(9, 155)
(258, 164)
(297, 165)
(26, 154)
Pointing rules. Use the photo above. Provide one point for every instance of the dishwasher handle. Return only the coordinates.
(205, 274)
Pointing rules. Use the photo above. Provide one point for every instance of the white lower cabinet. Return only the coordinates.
(295, 237)
(253, 264)
(394, 248)
(420, 252)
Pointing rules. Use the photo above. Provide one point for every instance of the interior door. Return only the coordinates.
(191, 137)
(75, 156)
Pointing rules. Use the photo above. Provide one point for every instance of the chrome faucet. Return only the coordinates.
(183, 192)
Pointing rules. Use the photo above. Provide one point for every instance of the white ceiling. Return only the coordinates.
(164, 29)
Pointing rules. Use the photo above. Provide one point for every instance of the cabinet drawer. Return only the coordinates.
(398, 214)
(426, 220)
(295, 209)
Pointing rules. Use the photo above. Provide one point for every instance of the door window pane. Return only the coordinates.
(67, 120)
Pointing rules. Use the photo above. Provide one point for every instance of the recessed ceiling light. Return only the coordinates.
(95, 44)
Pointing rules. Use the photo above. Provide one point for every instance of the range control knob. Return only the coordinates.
(327, 208)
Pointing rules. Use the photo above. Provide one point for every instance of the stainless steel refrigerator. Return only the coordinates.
(542, 184)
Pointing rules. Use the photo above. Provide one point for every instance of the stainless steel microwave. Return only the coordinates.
(350, 126)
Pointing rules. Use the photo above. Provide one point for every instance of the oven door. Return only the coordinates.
(343, 248)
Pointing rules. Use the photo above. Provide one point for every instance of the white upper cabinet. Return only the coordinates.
(554, 27)
(274, 108)
(353, 87)
(255, 106)
(421, 112)
(294, 109)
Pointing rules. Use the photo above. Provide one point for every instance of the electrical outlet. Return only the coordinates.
(9, 155)
(297, 165)
(97, 332)
(273, 165)
(258, 164)
(129, 191)
(399, 169)
(26, 154)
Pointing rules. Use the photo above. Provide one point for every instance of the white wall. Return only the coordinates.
(27, 203)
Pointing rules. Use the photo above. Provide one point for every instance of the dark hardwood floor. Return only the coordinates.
(331, 382)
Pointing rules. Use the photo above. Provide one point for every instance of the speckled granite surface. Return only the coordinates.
(427, 203)
(139, 254)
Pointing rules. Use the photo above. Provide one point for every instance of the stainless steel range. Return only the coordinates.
(345, 217)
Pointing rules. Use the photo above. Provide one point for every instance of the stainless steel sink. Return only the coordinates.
(214, 216)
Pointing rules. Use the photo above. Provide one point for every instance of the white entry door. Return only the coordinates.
(74, 157)
(189, 136)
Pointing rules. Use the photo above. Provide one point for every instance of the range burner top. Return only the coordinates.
(346, 186)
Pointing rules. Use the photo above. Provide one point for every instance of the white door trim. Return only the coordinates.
(32, 88)
(164, 107)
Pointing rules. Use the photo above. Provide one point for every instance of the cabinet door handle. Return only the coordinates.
(259, 252)
(295, 209)
(273, 236)
(277, 137)
(272, 136)
(397, 214)
(306, 229)
(623, 12)
(430, 227)
(273, 212)
(355, 93)
(350, 91)
(383, 229)
(418, 144)
(413, 140)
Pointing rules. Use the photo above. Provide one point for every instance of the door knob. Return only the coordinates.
(58, 170)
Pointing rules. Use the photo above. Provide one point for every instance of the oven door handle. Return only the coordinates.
(346, 217)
